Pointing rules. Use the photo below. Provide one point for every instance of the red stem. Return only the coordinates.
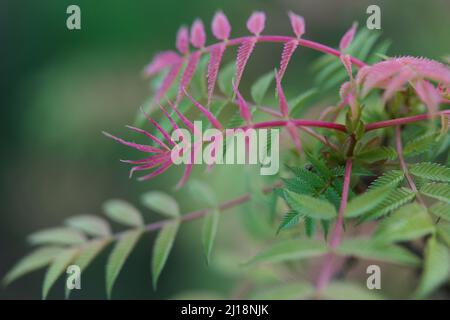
(283, 39)
(336, 238)
(400, 121)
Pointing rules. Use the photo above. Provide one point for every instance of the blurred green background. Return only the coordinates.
(61, 88)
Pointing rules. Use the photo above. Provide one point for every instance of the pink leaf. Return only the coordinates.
(160, 61)
(284, 108)
(159, 128)
(297, 23)
(151, 159)
(174, 125)
(152, 137)
(206, 112)
(256, 22)
(198, 36)
(428, 94)
(244, 52)
(348, 37)
(397, 83)
(185, 120)
(140, 147)
(220, 26)
(288, 50)
(243, 106)
(213, 68)
(168, 80)
(347, 62)
(188, 74)
(160, 170)
(183, 40)
(149, 165)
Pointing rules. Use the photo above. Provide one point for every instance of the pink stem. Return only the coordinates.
(336, 238)
(400, 121)
(283, 39)
(299, 123)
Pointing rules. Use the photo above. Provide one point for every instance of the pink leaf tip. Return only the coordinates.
(347, 38)
(198, 36)
(220, 26)
(297, 23)
(243, 106)
(256, 22)
(183, 40)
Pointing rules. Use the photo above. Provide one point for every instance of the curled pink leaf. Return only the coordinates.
(183, 40)
(429, 95)
(244, 52)
(160, 61)
(256, 22)
(243, 106)
(198, 35)
(166, 165)
(167, 115)
(284, 108)
(297, 23)
(397, 83)
(347, 38)
(185, 120)
(215, 59)
(288, 50)
(220, 26)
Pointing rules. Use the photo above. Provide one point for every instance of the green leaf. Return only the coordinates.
(309, 206)
(62, 236)
(378, 154)
(118, 256)
(298, 102)
(369, 249)
(260, 87)
(209, 231)
(441, 210)
(56, 268)
(86, 255)
(319, 165)
(420, 144)
(390, 178)
(366, 202)
(298, 186)
(289, 220)
(90, 224)
(290, 250)
(203, 192)
(162, 247)
(161, 202)
(431, 171)
(123, 212)
(225, 78)
(443, 232)
(288, 291)
(439, 191)
(396, 198)
(349, 291)
(308, 177)
(37, 259)
(407, 223)
(310, 227)
(436, 268)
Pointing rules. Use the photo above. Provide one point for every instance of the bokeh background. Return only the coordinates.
(61, 88)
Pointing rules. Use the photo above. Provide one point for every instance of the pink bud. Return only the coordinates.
(198, 36)
(348, 37)
(183, 40)
(297, 23)
(256, 22)
(220, 26)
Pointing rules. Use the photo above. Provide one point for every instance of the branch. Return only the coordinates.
(200, 213)
(405, 120)
(399, 148)
(327, 269)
